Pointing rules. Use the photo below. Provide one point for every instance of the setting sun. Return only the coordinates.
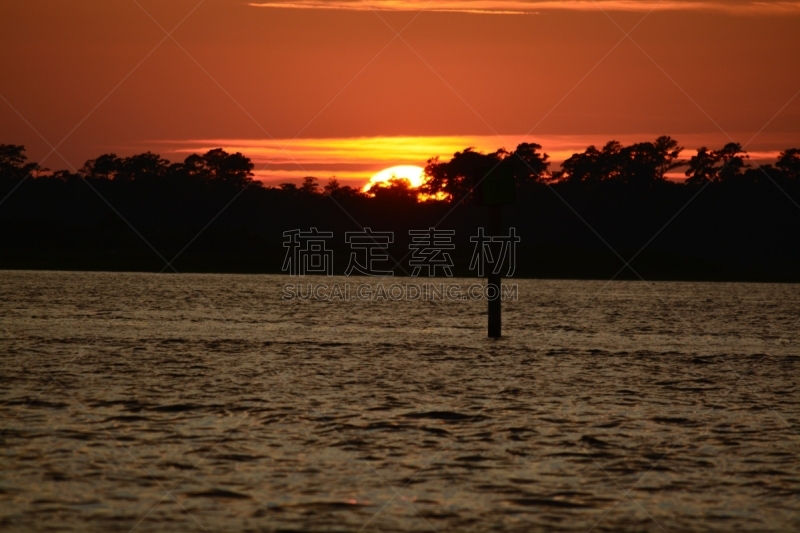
(414, 174)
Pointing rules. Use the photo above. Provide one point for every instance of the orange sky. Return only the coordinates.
(103, 76)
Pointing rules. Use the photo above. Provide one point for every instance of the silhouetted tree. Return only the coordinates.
(465, 170)
(760, 174)
(668, 152)
(732, 157)
(14, 163)
(219, 167)
(726, 164)
(593, 165)
(340, 192)
(647, 163)
(456, 178)
(638, 164)
(104, 167)
(310, 186)
(146, 167)
(66, 176)
(527, 164)
(332, 187)
(397, 190)
(789, 163)
(701, 167)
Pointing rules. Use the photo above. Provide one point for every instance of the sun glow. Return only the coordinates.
(355, 161)
(414, 174)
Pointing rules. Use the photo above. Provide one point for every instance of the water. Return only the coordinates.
(135, 402)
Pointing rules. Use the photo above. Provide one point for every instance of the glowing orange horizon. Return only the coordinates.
(355, 161)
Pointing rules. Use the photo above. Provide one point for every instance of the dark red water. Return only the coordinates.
(133, 402)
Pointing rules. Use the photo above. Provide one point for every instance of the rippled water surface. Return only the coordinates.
(135, 402)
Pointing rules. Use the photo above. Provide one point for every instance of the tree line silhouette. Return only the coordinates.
(601, 205)
(644, 164)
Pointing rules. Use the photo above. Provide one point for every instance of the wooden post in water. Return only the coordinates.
(494, 281)
(494, 190)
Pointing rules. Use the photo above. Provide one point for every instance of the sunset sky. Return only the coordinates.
(324, 88)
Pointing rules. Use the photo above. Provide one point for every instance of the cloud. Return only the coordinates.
(354, 160)
(529, 7)
(496, 7)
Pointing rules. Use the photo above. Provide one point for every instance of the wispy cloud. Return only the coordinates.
(494, 7)
(354, 160)
(529, 7)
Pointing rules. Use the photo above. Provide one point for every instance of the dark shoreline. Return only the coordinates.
(207, 215)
